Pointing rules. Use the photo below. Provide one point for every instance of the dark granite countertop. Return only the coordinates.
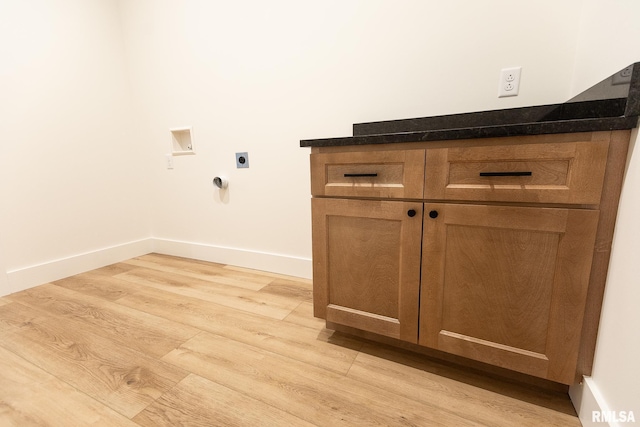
(612, 104)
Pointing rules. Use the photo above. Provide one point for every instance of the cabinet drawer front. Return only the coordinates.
(380, 174)
(540, 173)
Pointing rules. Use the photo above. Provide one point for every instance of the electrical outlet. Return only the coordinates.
(242, 160)
(623, 77)
(509, 84)
(169, 159)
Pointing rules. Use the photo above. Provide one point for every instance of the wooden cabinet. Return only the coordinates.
(494, 250)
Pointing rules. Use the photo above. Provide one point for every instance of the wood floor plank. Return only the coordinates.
(29, 396)
(322, 348)
(266, 274)
(153, 335)
(295, 290)
(313, 394)
(123, 379)
(426, 381)
(268, 305)
(201, 270)
(558, 401)
(198, 401)
(303, 316)
(113, 269)
(98, 285)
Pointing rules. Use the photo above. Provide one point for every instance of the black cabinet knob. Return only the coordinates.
(433, 214)
(411, 213)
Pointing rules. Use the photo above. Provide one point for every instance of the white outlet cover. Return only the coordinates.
(509, 84)
(623, 77)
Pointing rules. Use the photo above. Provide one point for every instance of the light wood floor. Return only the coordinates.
(165, 341)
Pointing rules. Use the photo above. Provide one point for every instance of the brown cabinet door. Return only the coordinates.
(366, 264)
(507, 285)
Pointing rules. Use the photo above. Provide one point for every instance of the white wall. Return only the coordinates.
(609, 40)
(83, 169)
(4, 282)
(259, 76)
(72, 168)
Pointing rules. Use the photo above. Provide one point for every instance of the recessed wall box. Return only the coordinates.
(182, 141)
(242, 160)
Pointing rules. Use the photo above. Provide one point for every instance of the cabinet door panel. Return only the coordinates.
(507, 285)
(367, 264)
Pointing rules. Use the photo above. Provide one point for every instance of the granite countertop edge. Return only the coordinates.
(495, 131)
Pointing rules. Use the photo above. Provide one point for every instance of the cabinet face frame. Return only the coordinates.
(562, 298)
(405, 255)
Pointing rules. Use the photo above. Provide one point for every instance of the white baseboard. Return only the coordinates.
(28, 277)
(586, 398)
(35, 275)
(274, 263)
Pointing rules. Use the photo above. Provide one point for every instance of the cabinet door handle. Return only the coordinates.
(433, 214)
(411, 213)
(523, 173)
(351, 175)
